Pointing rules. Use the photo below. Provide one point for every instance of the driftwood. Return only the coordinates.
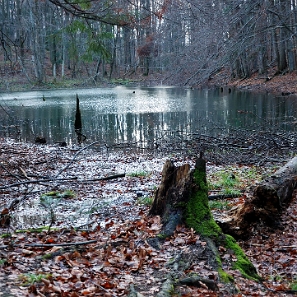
(265, 205)
(77, 122)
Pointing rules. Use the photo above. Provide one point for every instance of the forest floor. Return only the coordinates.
(67, 231)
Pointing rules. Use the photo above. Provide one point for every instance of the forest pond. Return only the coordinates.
(140, 116)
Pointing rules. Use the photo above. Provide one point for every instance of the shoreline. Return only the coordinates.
(278, 85)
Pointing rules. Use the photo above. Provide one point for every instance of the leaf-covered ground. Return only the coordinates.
(97, 239)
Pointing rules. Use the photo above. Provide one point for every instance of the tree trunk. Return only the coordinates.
(265, 205)
(174, 190)
(182, 198)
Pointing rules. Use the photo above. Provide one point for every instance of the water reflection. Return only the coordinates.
(141, 115)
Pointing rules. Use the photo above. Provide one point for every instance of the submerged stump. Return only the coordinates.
(77, 122)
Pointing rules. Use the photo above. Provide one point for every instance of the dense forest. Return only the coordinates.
(175, 42)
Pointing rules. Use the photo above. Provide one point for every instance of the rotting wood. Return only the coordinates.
(198, 281)
(265, 205)
(173, 190)
(182, 198)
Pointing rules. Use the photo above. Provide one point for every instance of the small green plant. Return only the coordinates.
(57, 194)
(2, 262)
(218, 204)
(276, 278)
(230, 191)
(32, 230)
(251, 173)
(225, 182)
(47, 256)
(5, 235)
(31, 278)
(145, 200)
(294, 286)
(138, 174)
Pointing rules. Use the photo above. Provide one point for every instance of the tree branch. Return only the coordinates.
(50, 244)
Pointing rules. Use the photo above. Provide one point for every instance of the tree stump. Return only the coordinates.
(77, 122)
(182, 198)
(174, 191)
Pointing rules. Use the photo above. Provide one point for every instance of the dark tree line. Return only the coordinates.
(186, 42)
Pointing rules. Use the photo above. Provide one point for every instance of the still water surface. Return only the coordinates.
(141, 115)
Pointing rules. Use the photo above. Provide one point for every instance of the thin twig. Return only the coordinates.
(11, 174)
(103, 178)
(50, 244)
(69, 179)
(36, 182)
(73, 159)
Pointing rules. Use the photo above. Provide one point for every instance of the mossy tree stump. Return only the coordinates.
(182, 198)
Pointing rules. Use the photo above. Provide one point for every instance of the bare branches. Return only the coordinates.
(68, 179)
(102, 13)
(75, 156)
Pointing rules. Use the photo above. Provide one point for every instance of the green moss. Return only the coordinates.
(31, 278)
(242, 264)
(224, 276)
(293, 286)
(5, 235)
(199, 217)
(198, 214)
(35, 230)
(162, 236)
(47, 256)
(56, 194)
(138, 174)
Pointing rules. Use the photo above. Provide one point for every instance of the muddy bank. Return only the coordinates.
(279, 85)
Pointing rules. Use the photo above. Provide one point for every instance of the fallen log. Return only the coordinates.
(265, 205)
